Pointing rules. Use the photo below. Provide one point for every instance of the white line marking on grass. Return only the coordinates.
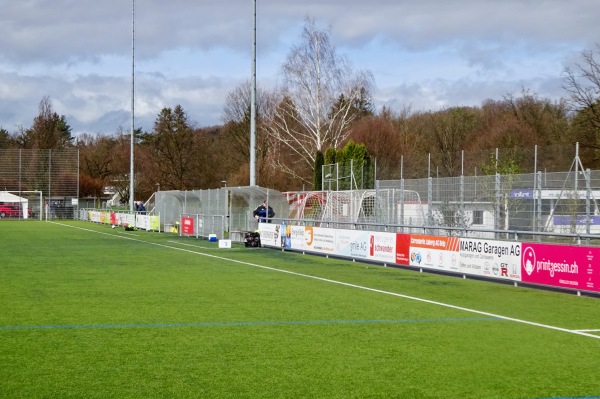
(446, 305)
(596, 330)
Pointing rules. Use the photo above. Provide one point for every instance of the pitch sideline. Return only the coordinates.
(413, 298)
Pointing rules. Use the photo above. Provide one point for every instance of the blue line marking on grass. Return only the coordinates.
(574, 397)
(342, 283)
(240, 323)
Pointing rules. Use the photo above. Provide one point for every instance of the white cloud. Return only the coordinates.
(427, 54)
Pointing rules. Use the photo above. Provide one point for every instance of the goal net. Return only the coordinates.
(21, 205)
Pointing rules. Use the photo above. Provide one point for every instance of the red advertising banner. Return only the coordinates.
(187, 226)
(561, 266)
(403, 249)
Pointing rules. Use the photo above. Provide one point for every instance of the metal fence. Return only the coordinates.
(561, 205)
(54, 173)
(203, 226)
(170, 205)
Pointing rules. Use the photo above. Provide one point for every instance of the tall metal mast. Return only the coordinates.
(253, 106)
(131, 171)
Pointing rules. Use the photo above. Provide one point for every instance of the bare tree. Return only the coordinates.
(97, 159)
(236, 118)
(447, 133)
(583, 86)
(319, 100)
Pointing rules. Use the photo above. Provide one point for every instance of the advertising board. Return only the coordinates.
(561, 266)
(434, 252)
(352, 243)
(187, 226)
(403, 249)
(382, 247)
(487, 258)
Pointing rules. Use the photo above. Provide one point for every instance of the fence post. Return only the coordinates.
(429, 200)
(538, 184)
(588, 192)
(498, 194)
(462, 201)
(402, 204)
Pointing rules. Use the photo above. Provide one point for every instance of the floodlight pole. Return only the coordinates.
(253, 106)
(131, 171)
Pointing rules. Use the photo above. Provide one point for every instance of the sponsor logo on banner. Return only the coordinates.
(382, 247)
(522, 194)
(142, 221)
(561, 266)
(309, 235)
(286, 235)
(323, 240)
(352, 243)
(433, 251)
(187, 225)
(297, 237)
(269, 234)
(489, 258)
(403, 249)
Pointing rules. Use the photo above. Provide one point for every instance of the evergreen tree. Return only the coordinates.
(318, 173)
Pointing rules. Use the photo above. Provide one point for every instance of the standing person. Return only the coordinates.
(263, 213)
(140, 208)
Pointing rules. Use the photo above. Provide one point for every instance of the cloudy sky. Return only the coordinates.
(425, 54)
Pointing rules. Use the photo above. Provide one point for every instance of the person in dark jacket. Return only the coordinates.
(263, 213)
(140, 208)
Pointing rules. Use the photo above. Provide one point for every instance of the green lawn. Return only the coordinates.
(92, 312)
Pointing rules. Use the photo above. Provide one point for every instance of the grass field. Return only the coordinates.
(92, 312)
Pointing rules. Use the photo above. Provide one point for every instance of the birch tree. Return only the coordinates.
(320, 99)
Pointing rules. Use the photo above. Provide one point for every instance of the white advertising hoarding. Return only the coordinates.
(352, 243)
(434, 252)
(499, 259)
(382, 247)
(270, 234)
(486, 258)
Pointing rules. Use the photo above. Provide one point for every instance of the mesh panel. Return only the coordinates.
(54, 173)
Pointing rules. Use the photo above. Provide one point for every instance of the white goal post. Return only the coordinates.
(29, 203)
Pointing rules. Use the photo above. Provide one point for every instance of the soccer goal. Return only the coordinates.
(21, 205)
